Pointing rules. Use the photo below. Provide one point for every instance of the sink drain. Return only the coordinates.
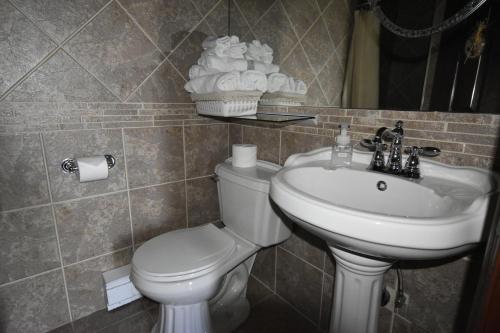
(381, 185)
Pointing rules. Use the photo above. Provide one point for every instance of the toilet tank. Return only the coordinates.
(246, 207)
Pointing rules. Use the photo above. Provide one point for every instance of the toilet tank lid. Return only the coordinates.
(257, 178)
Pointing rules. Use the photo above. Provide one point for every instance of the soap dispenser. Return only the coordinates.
(342, 150)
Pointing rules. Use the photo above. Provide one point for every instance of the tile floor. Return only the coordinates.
(271, 315)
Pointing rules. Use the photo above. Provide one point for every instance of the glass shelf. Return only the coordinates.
(275, 117)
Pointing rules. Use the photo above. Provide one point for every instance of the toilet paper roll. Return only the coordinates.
(244, 155)
(92, 168)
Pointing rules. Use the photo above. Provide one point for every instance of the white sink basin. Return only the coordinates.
(439, 215)
(371, 219)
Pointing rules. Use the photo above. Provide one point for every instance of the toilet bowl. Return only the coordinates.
(199, 275)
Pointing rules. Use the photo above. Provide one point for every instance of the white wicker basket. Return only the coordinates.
(227, 104)
(282, 99)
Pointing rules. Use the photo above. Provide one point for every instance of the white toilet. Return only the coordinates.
(199, 275)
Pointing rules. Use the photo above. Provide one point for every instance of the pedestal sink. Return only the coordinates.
(370, 220)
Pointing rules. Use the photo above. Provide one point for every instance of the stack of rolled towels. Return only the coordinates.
(228, 65)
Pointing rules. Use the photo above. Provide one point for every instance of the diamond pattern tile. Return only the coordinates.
(335, 17)
(275, 29)
(188, 52)
(302, 13)
(164, 86)
(166, 22)
(116, 51)
(331, 80)
(60, 18)
(296, 65)
(238, 23)
(318, 45)
(217, 19)
(61, 79)
(254, 9)
(22, 45)
(315, 96)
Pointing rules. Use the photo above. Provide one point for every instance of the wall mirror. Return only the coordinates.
(456, 70)
(453, 69)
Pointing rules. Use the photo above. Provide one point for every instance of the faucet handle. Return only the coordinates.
(378, 161)
(411, 169)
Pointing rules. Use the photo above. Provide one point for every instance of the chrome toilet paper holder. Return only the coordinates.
(68, 165)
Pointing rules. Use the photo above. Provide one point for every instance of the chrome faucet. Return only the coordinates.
(394, 163)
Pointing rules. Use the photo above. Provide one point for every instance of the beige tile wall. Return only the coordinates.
(80, 78)
(60, 235)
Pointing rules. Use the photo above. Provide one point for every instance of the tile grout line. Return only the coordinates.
(98, 256)
(59, 46)
(128, 191)
(136, 89)
(185, 175)
(6, 284)
(203, 17)
(250, 28)
(15, 210)
(301, 259)
(140, 28)
(99, 195)
(68, 53)
(264, 284)
(298, 311)
(299, 38)
(167, 56)
(61, 260)
(257, 21)
(275, 269)
(94, 196)
(321, 297)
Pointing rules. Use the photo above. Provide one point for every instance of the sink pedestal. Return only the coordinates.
(357, 292)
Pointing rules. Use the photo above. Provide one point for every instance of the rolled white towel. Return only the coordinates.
(236, 51)
(253, 80)
(263, 67)
(287, 86)
(300, 87)
(197, 71)
(259, 52)
(223, 64)
(216, 46)
(213, 83)
(228, 82)
(213, 42)
(275, 81)
(234, 39)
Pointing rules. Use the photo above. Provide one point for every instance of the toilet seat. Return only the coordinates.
(183, 254)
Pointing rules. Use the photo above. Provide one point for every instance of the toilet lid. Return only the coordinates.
(183, 251)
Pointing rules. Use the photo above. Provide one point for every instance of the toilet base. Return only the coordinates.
(222, 314)
(193, 318)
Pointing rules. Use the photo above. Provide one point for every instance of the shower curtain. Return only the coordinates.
(361, 83)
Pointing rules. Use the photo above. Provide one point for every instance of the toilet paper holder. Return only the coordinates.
(68, 165)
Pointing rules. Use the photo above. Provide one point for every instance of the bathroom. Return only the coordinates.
(83, 78)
